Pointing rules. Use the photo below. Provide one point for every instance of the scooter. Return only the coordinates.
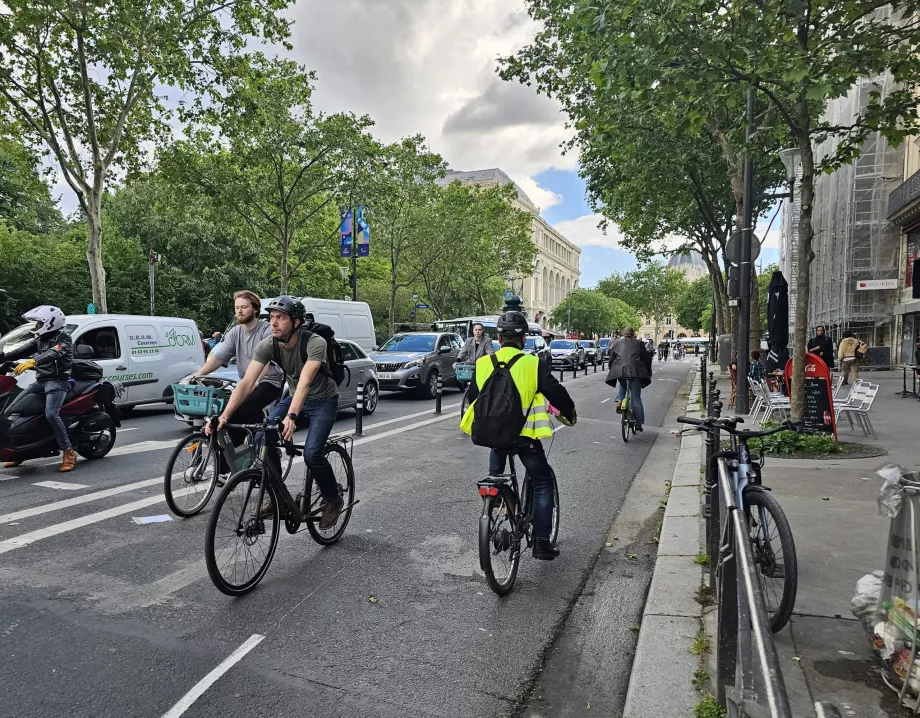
(9, 388)
(89, 414)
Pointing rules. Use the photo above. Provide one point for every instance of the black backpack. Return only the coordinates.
(334, 366)
(498, 414)
(85, 370)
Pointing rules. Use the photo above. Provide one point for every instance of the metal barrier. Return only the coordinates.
(359, 410)
(439, 388)
(703, 385)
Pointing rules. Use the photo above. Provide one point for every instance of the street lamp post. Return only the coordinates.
(744, 262)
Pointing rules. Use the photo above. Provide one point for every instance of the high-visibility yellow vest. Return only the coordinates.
(524, 374)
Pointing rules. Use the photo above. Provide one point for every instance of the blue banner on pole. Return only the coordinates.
(346, 232)
(363, 232)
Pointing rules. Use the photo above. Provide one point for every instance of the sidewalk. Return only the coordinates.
(839, 537)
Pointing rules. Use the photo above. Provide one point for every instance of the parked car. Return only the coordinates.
(349, 320)
(535, 344)
(567, 354)
(361, 368)
(591, 350)
(603, 345)
(412, 361)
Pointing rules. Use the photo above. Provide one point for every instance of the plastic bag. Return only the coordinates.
(891, 493)
(864, 605)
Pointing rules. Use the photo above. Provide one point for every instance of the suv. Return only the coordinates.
(592, 353)
(535, 344)
(567, 354)
(412, 361)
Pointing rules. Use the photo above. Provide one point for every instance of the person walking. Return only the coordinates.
(846, 354)
(820, 345)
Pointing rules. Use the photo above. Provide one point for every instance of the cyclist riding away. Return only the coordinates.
(630, 364)
(303, 358)
(241, 342)
(51, 351)
(534, 383)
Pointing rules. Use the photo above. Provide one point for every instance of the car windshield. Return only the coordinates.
(604, 342)
(409, 343)
(587, 345)
(13, 340)
(561, 344)
(530, 343)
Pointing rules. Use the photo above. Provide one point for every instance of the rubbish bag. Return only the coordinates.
(892, 492)
(864, 603)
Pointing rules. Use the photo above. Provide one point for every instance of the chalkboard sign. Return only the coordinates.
(818, 402)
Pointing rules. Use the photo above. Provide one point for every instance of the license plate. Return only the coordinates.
(384, 375)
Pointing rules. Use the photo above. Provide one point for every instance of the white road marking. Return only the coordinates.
(133, 428)
(368, 427)
(86, 498)
(201, 686)
(60, 485)
(5, 477)
(605, 400)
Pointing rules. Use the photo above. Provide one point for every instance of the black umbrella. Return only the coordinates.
(778, 322)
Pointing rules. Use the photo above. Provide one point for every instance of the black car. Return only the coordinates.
(592, 353)
(536, 345)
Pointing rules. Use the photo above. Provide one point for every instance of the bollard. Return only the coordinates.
(595, 366)
(575, 370)
(586, 367)
(703, 386)
(561, 374)
(437, 396)
(359, 410)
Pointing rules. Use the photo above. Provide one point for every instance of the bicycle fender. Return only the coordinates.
(756, 487)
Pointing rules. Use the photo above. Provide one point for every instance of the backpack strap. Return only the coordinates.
(513, 360)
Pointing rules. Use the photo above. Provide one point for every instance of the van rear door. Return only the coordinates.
(110, 350)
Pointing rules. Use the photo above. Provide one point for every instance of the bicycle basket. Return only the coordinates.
(464, 371)
(193, 400)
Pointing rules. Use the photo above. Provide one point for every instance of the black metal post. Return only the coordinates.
(437, 396)
(727, 647)
(703, 386)
(744, 261)
(354, 254)
(561, 374)
(575, 369)
(359, 410)
(713, 525)
(586, 366)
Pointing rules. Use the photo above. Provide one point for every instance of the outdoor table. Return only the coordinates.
(913, 391)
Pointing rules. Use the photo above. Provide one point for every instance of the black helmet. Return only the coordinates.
(512, 324)
(290, 306)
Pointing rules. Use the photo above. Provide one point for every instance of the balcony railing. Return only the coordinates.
(904, 194)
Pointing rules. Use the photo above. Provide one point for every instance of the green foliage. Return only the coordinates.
(693, 302)
(763, 286)
(701, 559)
(700, 644)
(699, 678)
(588, 312)
(785, 443)
(708, 707)
(653, 289)
(25, 200)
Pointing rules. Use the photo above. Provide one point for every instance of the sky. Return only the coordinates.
(429, 67)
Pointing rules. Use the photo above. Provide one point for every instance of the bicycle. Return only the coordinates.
(201, 463)
(773, 549)
(505, 526)
(244, 526)
(627, 416)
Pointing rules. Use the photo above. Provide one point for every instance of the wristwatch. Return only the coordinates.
(292, 416)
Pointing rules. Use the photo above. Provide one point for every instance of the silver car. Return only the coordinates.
(413, 361)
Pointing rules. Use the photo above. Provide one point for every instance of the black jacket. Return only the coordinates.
(547, 385)
(824, 348)
(53, 355)
(629, 358)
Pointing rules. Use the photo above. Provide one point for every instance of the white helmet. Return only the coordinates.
(47, 319)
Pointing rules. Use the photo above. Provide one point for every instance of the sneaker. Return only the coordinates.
(11, 464)
(619, 407)
(331, 510)
(69, 460)
(268, 510)
(544, 550)
(639, 428)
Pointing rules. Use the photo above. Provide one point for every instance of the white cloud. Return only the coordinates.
(584, 232)
(771, 240)
(542, 197)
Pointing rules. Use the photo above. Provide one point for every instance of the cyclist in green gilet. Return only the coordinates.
(536, 384)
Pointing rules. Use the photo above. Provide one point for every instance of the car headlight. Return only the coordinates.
(413, 364)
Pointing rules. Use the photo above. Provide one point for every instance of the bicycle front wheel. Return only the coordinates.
(191, 475)
(774, 555)
(625, 419)
(499, 545)
(554, 530)
(242, 536)
(344, 474)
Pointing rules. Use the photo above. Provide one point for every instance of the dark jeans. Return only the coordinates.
(251, 411)
(635, 396)
(322, 416)
(55, 392)
(540, 474)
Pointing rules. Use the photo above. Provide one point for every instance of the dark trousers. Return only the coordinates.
(251, 411)
(55, 392)
(540, 474)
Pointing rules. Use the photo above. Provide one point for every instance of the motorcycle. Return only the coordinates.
(9, 388)
(89, 414)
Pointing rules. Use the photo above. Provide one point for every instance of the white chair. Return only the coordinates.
(858, 405)
(770, 402)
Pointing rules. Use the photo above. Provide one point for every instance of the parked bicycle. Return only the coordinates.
(200, 463)
(771, 536)
(244, 526)
(505, 526)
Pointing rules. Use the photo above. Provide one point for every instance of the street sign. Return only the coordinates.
(733, 302)
(90, 308)
(509, 293)
(733, 249)
(867, 284)
(422, 306)
(412, 313)
(415, 297)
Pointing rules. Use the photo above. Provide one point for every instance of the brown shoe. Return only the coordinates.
(68, 461)
(331, 510)
(11, 464)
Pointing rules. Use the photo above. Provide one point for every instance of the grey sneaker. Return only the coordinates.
(331, 510)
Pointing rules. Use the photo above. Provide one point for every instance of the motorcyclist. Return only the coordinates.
(51, 355)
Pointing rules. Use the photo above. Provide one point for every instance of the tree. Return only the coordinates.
(588, 312)
(693, 303)
(653, 290)
(25, 199)
(84, 80)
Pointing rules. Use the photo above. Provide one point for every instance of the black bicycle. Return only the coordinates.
(771, 536)
(244, 526)
(627, 415)
(505, 526)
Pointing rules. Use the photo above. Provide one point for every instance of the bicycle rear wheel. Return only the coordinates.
(499, 547)
(240, 542)
(344, 474)
(626, 418)
(191, 475)
(554, 530)
(774, 555)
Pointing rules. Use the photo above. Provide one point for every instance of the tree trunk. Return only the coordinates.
(756, 328)
(806, 189)
(393, 289)
(94, 253)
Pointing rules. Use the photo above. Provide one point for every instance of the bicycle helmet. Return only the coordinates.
(512, 324)
(292, 307)
(48, 319)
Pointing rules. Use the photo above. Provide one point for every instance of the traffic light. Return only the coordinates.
(733, 290)
(351, 280)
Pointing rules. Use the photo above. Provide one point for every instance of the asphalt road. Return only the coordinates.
(100, 616)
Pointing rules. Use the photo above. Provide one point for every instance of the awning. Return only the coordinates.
(908, 307)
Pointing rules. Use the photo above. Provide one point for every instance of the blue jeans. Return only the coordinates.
(540, 474)
(55, 392)
(635, 396)
(322, 417)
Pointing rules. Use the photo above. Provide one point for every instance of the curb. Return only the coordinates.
(664, 666)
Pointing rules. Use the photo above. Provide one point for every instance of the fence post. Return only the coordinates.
(595, 366)
(561, 374)
(586, 366)
(437, 396)
(711, 508)
(575, 368)
(359, 410)
(703, 387)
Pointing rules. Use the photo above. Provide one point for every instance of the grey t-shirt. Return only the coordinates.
(322, 387)
(242, 344)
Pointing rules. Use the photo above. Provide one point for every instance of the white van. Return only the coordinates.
(349, 320)
(145, 354)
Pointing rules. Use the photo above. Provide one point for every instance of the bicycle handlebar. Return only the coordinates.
(728, 425)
